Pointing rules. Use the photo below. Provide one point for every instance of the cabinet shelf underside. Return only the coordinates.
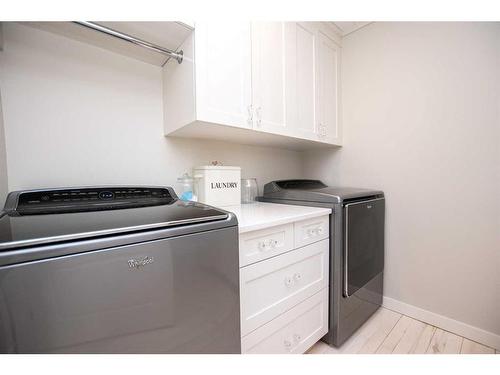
(207, 130)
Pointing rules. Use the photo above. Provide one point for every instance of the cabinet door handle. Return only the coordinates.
(250, 115)
(297, 337)
(321, 131)
(288, 281)
(297, 276)
(258, 113)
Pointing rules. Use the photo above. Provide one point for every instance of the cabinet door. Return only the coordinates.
(268, 76)
(301, 79)
(223, 73)
(328, 68)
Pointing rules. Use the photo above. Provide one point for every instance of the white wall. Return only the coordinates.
(421, 112)
(76, 114)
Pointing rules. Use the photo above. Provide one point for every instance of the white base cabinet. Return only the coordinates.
(267, 83)
(284, 279)
(295, 331)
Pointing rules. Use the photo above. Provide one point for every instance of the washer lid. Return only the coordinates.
(33, 229)
(314, 191)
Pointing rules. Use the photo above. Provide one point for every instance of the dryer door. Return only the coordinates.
(363, 243)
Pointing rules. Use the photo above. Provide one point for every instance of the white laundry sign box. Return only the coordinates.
(218, 185)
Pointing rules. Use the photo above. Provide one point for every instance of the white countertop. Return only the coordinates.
(259, 215)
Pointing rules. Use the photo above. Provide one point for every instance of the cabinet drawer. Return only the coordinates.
(311, 230)
(273, 286)
(295, 331)
(262, 244)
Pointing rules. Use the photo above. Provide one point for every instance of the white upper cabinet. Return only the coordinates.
(268, 83)
(301, 79)
(268, 77)
(223, 73)
(328, 54)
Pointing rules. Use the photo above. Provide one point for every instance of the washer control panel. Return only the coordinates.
(90, 199)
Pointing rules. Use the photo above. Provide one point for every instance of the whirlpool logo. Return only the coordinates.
(138, 263)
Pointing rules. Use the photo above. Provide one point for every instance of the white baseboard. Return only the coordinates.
(472, 333)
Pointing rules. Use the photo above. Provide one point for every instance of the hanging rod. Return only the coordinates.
(128, 38)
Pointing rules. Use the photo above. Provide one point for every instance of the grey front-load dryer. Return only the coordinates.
(356, 248)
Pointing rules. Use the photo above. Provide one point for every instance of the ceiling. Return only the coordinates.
(349, 27)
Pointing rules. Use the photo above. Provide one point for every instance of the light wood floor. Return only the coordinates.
(388, 332)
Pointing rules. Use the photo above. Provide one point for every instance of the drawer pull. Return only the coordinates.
(297, 337)
(267, 245)
(313, 232)
(309, 231)
(289, 281)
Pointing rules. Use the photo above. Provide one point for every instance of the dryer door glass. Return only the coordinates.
(363, 243)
